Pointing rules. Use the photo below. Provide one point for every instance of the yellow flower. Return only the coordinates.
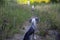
(40, 1)
(22, 1)
(47, 1)
(32, 1)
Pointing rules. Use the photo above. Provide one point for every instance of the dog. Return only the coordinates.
(31, 30)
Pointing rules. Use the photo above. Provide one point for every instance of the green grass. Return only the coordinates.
(15, 16)
(50, 12)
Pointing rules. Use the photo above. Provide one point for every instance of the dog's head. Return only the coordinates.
(36, 19)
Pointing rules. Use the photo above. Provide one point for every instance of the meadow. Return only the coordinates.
(49, 15)
(15, 15)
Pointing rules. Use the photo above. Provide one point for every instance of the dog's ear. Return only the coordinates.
(30, 20)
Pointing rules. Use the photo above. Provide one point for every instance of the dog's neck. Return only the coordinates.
(33, 22)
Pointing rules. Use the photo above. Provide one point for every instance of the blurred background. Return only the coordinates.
(15, 14)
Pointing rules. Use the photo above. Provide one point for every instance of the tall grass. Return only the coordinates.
(15, 16)
(49, 15)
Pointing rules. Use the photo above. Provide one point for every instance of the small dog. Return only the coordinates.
(31, 30)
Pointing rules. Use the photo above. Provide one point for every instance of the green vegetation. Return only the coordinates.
(49, 16)
(12, 16)
(55, 1)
